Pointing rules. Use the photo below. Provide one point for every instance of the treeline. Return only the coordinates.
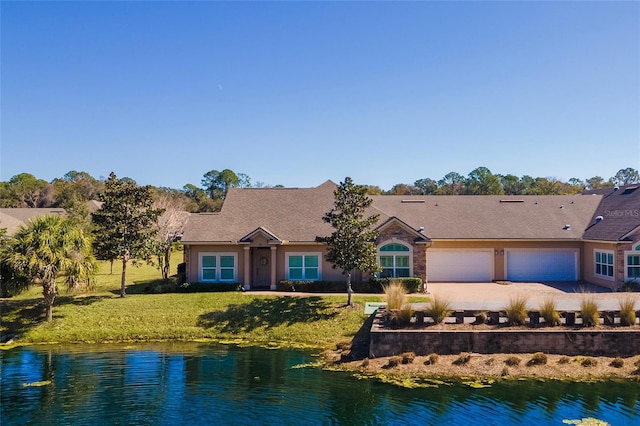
(74, 189)
(481, 181)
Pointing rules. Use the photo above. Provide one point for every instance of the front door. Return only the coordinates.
(261, 263)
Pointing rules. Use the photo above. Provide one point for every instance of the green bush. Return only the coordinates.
(411, 285)
(208, 287)
(328, 286)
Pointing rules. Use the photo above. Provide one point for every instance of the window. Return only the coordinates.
(604, 264)
(303, 266)
(395, 261)
(632, 263)
(216, 267)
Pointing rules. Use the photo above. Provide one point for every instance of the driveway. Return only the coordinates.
(494, 296)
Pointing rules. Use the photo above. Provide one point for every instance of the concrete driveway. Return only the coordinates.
(494, 296)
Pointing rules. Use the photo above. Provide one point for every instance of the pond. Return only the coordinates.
(207, 384)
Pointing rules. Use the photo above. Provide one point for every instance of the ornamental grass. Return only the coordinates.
(439, 309)
(628, 310)
(549, 312)
(589, 311)
(516, 310)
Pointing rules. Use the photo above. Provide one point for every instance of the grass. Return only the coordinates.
(101, 316)
(439, 309)
(395, 294)
(516, 310)
(549, 312)
(628, 310)
(589, 311)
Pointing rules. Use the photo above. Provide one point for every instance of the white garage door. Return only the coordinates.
(451, 266)
(542, 265)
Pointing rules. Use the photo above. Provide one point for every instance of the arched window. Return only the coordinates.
(632, 263)
(395, 260)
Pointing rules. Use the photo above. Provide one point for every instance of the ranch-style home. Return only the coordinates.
(264, 235)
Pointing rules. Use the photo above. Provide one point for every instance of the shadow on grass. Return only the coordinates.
(19, 316)
(270, 312)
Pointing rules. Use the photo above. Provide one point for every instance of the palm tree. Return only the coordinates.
(49, 247)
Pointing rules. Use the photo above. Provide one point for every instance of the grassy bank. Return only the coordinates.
(101, 316)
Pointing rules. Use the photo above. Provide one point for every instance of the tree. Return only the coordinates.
(403, 189)
(351, 245)
(451, 184)
(12, 281)
(482, 182)
(49, 247)
(217, 183)
(125, 225)
(426, 186)
(597, 182)
(170, 225)
(626, 177)
(26, 189)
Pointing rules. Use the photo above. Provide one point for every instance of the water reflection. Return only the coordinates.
(171, 384)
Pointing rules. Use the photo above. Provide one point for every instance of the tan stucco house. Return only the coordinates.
(264, 235)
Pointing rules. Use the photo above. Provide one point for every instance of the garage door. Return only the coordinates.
(542, 265)
(450, 266)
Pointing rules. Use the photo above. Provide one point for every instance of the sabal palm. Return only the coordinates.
(51, 246)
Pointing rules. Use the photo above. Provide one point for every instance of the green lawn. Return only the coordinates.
(101, 316)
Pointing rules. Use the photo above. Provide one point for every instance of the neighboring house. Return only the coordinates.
(13, 218)
(612, 239)
(262, 236)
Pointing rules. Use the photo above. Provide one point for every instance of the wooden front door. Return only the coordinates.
(261, 264)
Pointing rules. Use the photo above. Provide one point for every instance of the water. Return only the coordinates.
(206, 384)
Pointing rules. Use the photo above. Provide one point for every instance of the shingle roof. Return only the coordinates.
(620, 212)
(295, 214)
(290, 214)
(12, 218)
(491, 217)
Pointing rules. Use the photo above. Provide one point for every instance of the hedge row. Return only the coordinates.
(412, 285)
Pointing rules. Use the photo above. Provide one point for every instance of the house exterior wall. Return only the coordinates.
(243, 252)
(589, 265)
(419, 259)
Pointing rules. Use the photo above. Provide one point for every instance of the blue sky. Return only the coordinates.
(295, 93)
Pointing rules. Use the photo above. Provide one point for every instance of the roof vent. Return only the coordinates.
(421, 229)
(630, 189)
(599, 219)
(412, 201)
(615, 188)
(512, 201)
(567, 227)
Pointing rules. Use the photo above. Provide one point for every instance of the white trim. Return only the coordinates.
(595, 264)
(303, 254)
(628, 253)
(575, 251)
(218, 267)
(396, 253)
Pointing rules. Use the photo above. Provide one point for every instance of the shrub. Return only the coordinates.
(394, 294)
(512, 361)
(490, 361)
(628, 310)
(462, 359)
(432, 359)
(365, 362)
(504, 372)
(538, 358)
(481, 317)
(208, 288)
(630, 286)
(617, 363)
(588, 362)
(564, 360)
(401, 317)
(410, 284)
(394, 361)
(549, 312)
(516, 310)
(439, 309)
(408, 357)
(589, 311)
(637, 363)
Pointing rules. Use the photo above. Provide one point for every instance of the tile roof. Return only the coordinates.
(619, 213)
(295, 215)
